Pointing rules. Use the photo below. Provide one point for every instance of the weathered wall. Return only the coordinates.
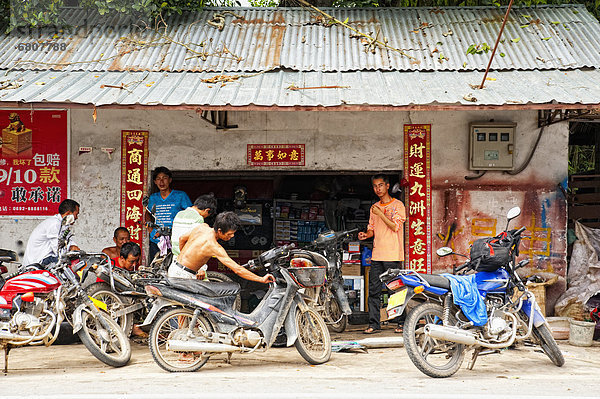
(181, 140)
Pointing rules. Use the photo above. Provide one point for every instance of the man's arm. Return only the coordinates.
(221, 254)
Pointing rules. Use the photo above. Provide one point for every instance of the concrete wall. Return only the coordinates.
(357, 141)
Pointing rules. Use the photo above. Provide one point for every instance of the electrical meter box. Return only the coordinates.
(491, 145)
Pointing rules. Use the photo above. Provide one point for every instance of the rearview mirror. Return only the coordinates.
(444, 251)
(513, 213)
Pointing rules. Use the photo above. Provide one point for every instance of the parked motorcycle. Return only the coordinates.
(123, 291)
(35, 300)
(437, 331)
(192, 319)
(330, 300)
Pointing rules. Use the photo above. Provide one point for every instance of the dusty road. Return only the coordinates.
(71, 372)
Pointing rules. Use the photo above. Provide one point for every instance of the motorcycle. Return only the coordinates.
(330, 300)
(123, 291)
(192, 319)
(36, 299)
(437, 332)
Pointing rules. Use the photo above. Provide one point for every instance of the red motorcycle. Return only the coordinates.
(35, 301)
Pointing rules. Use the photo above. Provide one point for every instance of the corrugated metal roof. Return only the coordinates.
(386, 88)
(552, 37)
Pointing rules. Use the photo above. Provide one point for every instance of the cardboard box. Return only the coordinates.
(383, 314)
(351, 270)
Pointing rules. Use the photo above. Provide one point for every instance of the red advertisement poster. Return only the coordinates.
(417, 169)
(134, 175)
(34, 162)
(275, 155)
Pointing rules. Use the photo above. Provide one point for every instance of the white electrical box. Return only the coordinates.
(491, 145)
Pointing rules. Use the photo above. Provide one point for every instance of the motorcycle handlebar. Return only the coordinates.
(522, 229)
(389, 273)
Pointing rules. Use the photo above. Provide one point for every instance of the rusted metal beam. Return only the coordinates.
(496, 45)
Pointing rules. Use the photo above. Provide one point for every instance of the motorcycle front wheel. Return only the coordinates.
(434, 357)
(336, 319)
(110, 346)
(114, 302)
(314, 342)
(173, 324)
(548, 344)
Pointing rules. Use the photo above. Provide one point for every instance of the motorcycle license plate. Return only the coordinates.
(397, 299)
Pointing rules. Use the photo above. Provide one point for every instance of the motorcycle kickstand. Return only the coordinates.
(471, 363)
(6, 350)
(229, 354)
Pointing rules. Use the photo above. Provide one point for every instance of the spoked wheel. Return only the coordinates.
(548, 344)
(336, 319)
(114, 303)
(314, 342)
(109, 345)
(222, 278)
(434, 357)
(172, 325)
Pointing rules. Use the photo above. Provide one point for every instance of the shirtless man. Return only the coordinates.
(200, 244)
(120, 237)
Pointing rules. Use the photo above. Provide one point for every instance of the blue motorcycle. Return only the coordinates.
(486, 311)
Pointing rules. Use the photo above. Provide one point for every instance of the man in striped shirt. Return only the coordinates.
(186, 220)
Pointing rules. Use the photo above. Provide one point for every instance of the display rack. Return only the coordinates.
(297, 221)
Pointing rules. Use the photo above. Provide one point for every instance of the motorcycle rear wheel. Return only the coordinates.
(166, 326)
(114, 302)
(435, 358)
(110, 347)
(314, 342)
(548, 344)
(222, 278)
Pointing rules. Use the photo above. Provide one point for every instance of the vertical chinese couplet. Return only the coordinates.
(134, 172)
(417, 170)
(34, 161)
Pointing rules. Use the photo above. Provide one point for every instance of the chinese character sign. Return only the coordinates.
(275, 155)
(417, 170)
(134, 172)
(34, 161)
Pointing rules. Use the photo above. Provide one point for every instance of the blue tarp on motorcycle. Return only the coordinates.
(466, 295)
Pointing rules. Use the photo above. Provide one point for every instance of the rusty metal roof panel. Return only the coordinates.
(293, 89)
(254, 40)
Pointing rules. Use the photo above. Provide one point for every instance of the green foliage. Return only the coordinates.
(478, 48)
(264, 3)
(582, 159)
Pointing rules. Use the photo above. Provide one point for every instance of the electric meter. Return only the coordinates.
(491, 145)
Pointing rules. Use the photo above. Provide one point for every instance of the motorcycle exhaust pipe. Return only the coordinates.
(178, 345)
(452, 334)
(342, 298)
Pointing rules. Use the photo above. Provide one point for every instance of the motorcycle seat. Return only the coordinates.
(206, 288)
(436, 280)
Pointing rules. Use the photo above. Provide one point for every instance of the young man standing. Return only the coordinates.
(166, 203)
(186, 220)
(42, 246)
(200, 244)
(120, 237)
(386, 220)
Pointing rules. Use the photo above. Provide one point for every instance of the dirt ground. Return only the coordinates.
(70, 371)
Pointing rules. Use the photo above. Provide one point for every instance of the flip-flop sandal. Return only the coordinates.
(371, 330)
(398, 330)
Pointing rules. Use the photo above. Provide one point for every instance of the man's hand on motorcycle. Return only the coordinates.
(268, 278)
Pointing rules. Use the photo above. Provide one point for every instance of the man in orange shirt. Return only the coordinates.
(386, 222)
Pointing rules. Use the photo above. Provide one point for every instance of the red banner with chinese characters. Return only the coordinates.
(417, 170)
(134, 173)
(34, 162)
(275, 155)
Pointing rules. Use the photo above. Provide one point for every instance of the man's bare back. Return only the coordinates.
(200, 244)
